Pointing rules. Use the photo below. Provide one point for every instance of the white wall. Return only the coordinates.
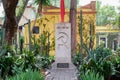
(28, 14)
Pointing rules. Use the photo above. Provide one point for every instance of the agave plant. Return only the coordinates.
(98, 60)
(91, 75)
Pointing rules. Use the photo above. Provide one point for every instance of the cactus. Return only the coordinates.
(80, 31)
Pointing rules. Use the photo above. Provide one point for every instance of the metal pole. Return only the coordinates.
(3, 36)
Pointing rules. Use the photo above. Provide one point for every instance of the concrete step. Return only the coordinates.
(62, 74)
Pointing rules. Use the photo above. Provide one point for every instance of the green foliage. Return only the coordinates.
(117, 66)
(101, 53)
(28, 60)
(46, 61)
(106, 14)
(21, 44)
(41, 47)
(1, 37)
(6, 65)
(42, 44)
(118, 22)
(20, 9)
(118, 51)
(7, 59)
(107, 69)
(12, 63)
(43, 38)
(98, 60)
(77, 60)
(28, 75)
(42, 2)
(36, 46)
(52, 46)
(6, 49)
(91, 75)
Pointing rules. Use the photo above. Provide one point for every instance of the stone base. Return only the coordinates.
(67, 73)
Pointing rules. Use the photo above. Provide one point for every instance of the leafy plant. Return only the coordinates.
(6, 49)
(36, 46)
(28, 75)
(7, 58)
(41, 45)
(12, 63)
(6, 64)
(25, 61)
(107, 69)
(29, 59)
(21, 44)
(117, 66)
(91, 75)
(46, 61)
(98, 60)
(118, 51)
(77, 60)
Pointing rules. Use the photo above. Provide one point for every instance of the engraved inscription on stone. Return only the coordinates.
(63, 38)
(62, 65)
(63, 42)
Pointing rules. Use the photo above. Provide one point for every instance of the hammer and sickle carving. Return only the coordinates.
(63, 37)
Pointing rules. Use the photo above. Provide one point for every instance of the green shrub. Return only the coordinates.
(46, 61)
(6, 64)
(7, 58)
(77, 60)
(117, 66)
(28, 75)
(91, 75)
(98, 60)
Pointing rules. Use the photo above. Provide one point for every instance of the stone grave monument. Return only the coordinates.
(62, 68)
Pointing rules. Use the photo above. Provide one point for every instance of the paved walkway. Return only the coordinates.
(62, 74)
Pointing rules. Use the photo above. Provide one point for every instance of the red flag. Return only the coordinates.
(62, 8)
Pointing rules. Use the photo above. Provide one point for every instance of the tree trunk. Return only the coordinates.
(73, 24)
(10, 23)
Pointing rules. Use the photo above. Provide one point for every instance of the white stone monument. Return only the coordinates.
(63, 46)
(63, 43)
(62, 68)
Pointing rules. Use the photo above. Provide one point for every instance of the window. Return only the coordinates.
(20, 27)
(115, 45)
(103, 40)
(35, 30)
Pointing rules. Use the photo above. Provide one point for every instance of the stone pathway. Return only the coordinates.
(62, 74)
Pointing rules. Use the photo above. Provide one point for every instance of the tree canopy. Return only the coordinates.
(106, 14)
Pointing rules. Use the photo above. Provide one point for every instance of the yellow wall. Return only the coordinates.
(51, 19)
(107, 29)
